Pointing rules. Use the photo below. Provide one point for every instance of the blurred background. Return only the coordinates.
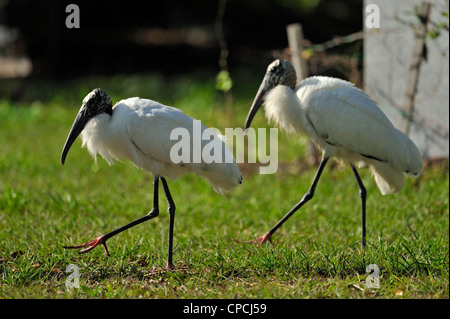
(171, 36)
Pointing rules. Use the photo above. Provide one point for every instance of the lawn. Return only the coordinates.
(316, 254)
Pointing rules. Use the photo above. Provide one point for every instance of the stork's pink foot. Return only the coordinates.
(169, 266)
(91, 245)
(258, 241)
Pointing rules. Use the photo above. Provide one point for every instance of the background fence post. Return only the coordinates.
(295, 40)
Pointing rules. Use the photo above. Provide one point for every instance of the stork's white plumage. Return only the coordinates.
(344, 122)
(140, 130)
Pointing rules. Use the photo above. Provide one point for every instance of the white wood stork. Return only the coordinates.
(140, 130)
(344, 122)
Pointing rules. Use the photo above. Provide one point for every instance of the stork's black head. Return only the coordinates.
(95, 103)
(279, 72)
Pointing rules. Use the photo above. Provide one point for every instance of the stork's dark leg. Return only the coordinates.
(305, 199)
(102, 239)
(362, 194)
(171, 210)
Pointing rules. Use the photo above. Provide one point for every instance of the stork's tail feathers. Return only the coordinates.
(224, 179)
(388, 179)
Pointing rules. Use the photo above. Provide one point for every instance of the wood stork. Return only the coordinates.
(140, 130)
(344, 122)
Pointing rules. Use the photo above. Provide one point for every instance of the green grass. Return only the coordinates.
(316, 254)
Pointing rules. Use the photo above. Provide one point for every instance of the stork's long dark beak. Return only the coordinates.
(77, 126)
(257, 102)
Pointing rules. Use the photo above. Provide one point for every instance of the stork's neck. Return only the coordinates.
(98, 137)
(284, 109)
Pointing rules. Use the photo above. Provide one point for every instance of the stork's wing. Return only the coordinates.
(154, 129)
(150, 127)
(346, 117)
